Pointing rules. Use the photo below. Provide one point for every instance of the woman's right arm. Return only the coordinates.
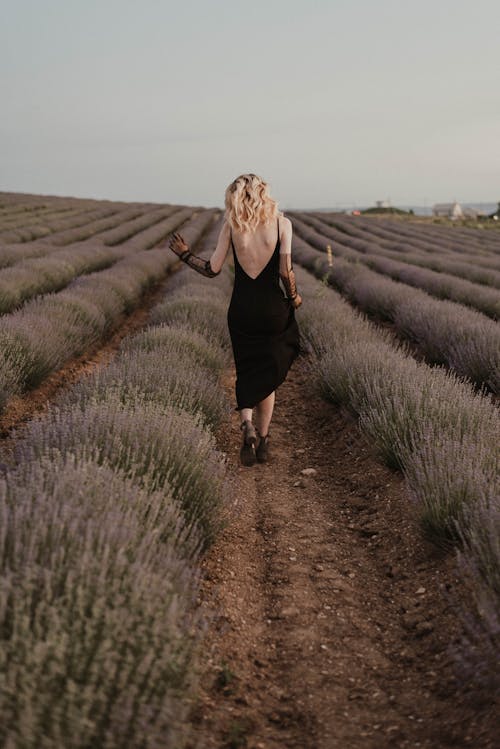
(208, 268)
(221, 249)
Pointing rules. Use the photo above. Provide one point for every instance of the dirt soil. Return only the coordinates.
(330, 615)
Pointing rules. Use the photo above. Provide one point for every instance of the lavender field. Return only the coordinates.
(115, 489)
(448, 310)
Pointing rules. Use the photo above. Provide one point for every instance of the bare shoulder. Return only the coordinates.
(225, 230)
(285, 222)
(223, 242)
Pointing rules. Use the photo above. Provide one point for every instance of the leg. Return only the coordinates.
(247, 452)
(264, 414)
(246, 414)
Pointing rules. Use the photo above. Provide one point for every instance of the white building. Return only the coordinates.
(472, 212)
(448, 210)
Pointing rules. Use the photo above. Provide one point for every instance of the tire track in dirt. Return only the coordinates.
(329, 619)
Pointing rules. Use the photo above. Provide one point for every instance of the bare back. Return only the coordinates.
(254, 249)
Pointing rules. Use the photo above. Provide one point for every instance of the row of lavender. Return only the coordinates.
(13, 204)
(57, 268)
(406, 236)
(109, 231)
(430, 424)
(30, 233)
(477, 265)
(441, 285)
(445, 332)
(21, 225)
(27, 201)
(48, 330)
(117, 491)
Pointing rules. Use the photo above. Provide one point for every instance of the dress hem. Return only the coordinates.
(239, 408)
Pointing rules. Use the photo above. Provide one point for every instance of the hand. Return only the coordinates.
(177, 244)
(297, 301)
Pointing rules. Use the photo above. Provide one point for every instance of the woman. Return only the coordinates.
(264, 333)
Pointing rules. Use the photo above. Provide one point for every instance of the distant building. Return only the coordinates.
(448, 210)
(496, 214)
(382, 204)
(473, 212)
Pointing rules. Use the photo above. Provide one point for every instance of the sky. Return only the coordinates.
(332, 102)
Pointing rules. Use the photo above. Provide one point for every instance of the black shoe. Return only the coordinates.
(247, 452)
(262, 452)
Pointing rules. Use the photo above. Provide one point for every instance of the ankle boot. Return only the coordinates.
(247, 452)
(262, 452)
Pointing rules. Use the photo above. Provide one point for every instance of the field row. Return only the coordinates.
(65, 231)
(58, 268)
(48, 330)
(445, 332)
(440, 285)
(433, 427)
(16, 212)
(423, 236)
(117, 491)
(13, 203)
(472, 266)
(48, 215)
(140, 233)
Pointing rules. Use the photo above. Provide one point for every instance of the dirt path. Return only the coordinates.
(329, 623)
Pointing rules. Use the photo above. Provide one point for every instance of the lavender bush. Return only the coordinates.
(477, 655)
(424, 255)
(28, 218)
(63, 234)
(441, 285)
(197, 224)
(98, 228)
(53, 328)
(408, 409)
(178, 341)
(443, 436)
(50, 273)
(429, 238)
(156, 446)
(455, 238)
(204, 309)
(42, 225)
(446, 333)
(167, 376)
(12, 362)
(127, 229)
(111, 502)
(96, 610)
(10, 254)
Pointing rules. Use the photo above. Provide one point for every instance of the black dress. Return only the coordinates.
(264, 333)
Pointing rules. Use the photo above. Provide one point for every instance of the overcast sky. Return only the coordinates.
(332, 102)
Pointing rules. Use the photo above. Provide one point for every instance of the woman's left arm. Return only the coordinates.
(208, 268)
(286, 271)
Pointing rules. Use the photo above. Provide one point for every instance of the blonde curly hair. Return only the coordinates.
(248, 203)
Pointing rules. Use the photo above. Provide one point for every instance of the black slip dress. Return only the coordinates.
(264, 333)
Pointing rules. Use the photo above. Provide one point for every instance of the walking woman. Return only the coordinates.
(264, 333)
